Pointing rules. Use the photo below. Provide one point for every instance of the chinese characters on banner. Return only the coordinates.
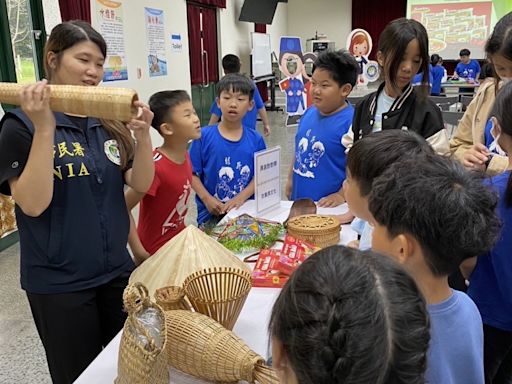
(109, 22)
(267, 178)
(157, 62)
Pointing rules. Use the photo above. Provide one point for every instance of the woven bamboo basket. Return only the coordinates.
(320, 230)
(101, 102)
(219, 293)
(141, 362)
(200, 346)
(7, 216)
(172, 298)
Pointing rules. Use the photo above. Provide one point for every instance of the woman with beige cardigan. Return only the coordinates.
(468, 143)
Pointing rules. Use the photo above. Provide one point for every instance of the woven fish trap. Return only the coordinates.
(200, 346)
(142, 357)
(219, 293)
(172, 298)
(320, 230)
(100, 102)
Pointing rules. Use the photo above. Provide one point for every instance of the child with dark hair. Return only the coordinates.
(437, 72)
(223, 159)
(232, 64)
(164, 206)
(467, 68)
(469, 144)
(319, 167)
(490, 283)
(431, 214)
(348, 316)
(367, 160)
(403, 52)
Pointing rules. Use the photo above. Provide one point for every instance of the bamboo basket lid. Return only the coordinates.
(100, 102)
(200, 346)
(188, 252)
(319, 229)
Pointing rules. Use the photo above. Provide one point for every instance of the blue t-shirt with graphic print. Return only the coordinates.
(251, 116)
(224, 167)
(319, 167)
(469, 70)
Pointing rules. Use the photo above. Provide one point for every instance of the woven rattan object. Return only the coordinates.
(320, 230)
(7, 218)
(219, 293)
(200, 346)
(101, 102)
(172, 298)
(142, 357)
(186, 253)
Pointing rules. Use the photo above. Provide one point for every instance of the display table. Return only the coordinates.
(453, 87)
(253, 320)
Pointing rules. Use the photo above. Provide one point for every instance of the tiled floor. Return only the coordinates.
(22, 358)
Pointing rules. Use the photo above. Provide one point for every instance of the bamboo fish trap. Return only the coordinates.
(219, 293)
(142, 357)
(317, 229)
(100, 102)
(200, 346)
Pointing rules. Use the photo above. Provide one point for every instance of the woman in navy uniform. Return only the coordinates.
(67, 174)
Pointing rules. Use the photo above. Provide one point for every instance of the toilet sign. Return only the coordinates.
(176, 43)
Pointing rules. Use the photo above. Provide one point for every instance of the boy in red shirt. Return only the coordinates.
(164, 206)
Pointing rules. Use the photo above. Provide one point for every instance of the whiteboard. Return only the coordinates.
(261, 54)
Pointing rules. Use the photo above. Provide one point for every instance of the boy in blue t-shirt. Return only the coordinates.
(223, 159)
(467, 68)
(319, 167)
(232, 64)
(430, 214)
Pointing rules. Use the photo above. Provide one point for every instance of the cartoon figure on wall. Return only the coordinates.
(291, 64)
(309, 57)
(359, 43)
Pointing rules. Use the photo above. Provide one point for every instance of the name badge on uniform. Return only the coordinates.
(112, 151)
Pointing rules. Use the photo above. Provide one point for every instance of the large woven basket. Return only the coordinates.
(219, 293)
(200, 346)
(101, 102)
(320, 230)
(172, 298)
(142, 358)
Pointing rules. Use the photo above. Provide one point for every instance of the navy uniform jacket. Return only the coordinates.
(79, 241)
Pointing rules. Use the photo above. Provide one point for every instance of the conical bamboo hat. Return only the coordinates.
(188, 252)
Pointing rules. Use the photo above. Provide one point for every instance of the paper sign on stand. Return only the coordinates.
(267, 178)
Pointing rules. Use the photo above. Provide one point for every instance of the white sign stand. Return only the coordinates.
(267, 178)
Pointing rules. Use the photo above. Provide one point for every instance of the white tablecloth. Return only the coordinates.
(253, 320)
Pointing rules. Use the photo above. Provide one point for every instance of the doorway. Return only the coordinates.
(203, 53)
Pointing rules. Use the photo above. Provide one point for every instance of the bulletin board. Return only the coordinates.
(261, 61)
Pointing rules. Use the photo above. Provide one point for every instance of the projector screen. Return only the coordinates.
(454, 25)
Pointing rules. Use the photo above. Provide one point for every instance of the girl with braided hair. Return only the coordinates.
(348, 316)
